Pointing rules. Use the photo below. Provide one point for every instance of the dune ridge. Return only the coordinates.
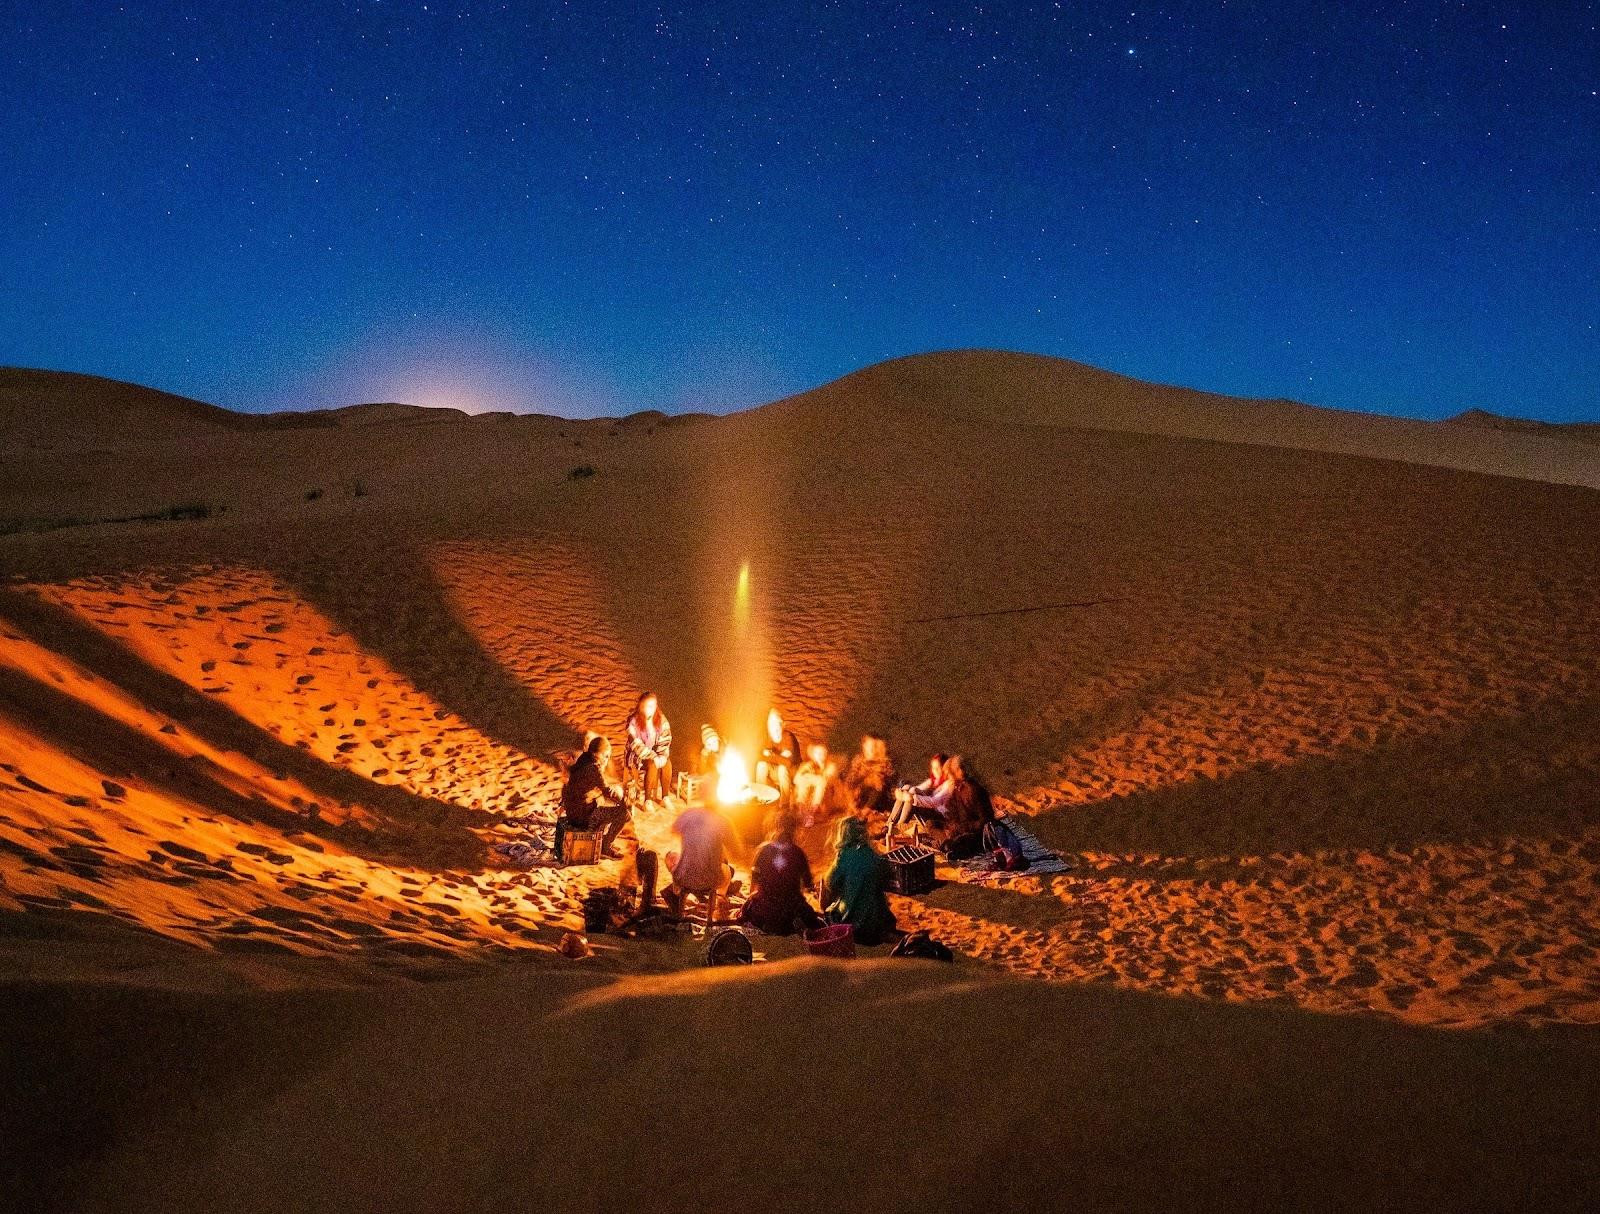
(1318, 732)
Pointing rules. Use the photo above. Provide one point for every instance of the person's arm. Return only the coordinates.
(593, 784)
(937, 799)
(636, 746)
(664, 738)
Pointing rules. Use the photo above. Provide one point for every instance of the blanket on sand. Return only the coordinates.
(1041, 860)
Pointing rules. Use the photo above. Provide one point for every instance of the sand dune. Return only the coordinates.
(1312, 703)
(1023, 388)
(1586, 432)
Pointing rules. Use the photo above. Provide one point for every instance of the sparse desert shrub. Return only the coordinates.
(177, 513)
(313, 494)
(581, 473)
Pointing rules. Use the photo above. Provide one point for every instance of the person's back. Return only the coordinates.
(703, 834)
(969, 807)
(856, 885)
(584, 782)
(779, 879)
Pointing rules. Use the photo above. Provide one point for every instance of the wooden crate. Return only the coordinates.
(580, 846)
(911, 869)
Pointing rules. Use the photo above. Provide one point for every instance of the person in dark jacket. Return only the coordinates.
(967, 811)
(780, 756)
(779, 879)
(588, 802)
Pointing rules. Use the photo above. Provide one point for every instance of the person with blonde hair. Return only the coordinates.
(853, 892)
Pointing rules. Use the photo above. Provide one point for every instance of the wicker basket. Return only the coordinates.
(834, 940)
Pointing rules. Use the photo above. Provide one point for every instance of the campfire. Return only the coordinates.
(744, 803)
(733, 777)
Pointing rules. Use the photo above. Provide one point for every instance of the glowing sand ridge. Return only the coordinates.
(1336, 745)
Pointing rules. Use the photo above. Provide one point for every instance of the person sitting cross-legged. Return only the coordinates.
(814, 782)
(854, 890)
(588, 801)
(779, 879)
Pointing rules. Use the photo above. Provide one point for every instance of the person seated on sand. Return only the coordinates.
(700, 865)
(813, 781)
(588, 801)
(853, 890)
(710, 754)
(779, 880)
(647, 762)
(923, 802)
(967, 811)
(868, 780)
(779, 757)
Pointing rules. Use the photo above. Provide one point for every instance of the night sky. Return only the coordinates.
(596, 207)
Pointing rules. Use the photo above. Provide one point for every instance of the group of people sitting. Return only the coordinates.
(854, 890)
(950, 805)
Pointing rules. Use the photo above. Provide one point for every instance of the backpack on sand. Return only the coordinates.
(1000, 838)
(921, 946)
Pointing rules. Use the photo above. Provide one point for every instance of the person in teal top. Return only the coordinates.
(852, 892)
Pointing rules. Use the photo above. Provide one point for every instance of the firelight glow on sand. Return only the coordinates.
(741, 598)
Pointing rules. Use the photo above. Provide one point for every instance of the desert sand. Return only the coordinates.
(1310, 699)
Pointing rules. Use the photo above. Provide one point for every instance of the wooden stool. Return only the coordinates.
(706, 903)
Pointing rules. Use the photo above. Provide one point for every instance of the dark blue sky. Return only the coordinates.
(599, 207)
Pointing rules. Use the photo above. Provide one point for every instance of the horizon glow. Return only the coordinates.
(597, 209)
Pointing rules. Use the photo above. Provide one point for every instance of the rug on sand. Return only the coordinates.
(1041, 860)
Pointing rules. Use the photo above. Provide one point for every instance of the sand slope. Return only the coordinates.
(1050, 391)
(1320, 731)
(906, 1085)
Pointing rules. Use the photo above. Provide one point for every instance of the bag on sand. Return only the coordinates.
(1001, 839)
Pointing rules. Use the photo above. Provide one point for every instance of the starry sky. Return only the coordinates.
(597, 207)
